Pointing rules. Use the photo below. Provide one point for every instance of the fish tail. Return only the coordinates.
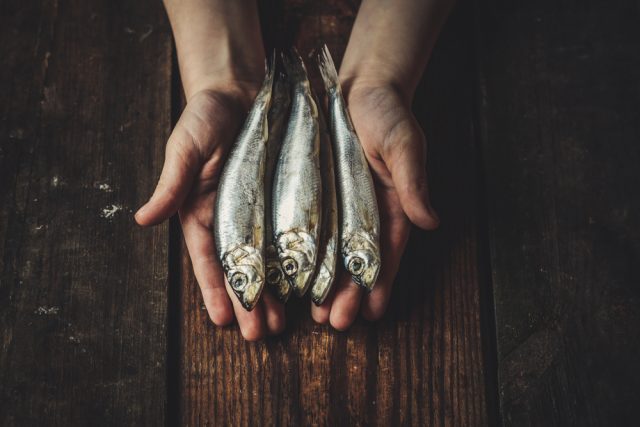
(269, 73)
(327, 69)
(294, 65)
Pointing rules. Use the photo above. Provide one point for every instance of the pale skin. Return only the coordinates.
(221, 59)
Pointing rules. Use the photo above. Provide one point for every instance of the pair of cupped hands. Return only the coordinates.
(394, 145)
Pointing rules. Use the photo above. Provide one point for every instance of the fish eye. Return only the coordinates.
(290, 266)
(274, 276)
(238, 281)
(356, 265)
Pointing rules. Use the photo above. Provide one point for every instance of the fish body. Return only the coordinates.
(328, 250)
(296, 201)
(359, 221)
(239, 210)
(277, 281)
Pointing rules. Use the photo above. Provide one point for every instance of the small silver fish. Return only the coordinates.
(358, 209)
(239, 209)
(297, 184)
(328, 251)
(277, 281)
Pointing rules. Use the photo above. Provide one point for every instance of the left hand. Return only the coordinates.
(395, 147)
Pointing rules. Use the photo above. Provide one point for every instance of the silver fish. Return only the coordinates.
(328, 251)
(239, 210)
(359, 218)
(277, 281)
(297, 185)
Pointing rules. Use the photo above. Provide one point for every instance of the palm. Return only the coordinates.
(395, 148)
(195, 153)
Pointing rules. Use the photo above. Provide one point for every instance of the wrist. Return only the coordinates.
(218, 43)
(372, 72)
(214, 72)
(356, 86)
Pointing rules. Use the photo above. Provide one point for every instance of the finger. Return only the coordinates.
(346, 302)
(252, 324)
(394, 233)
(405, 156)
(207, 269)
(320, 314)
(273, 313)
(182, 162)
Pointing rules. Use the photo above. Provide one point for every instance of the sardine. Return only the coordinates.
(239, 209)
(277, 281)
(359, 220)
(297, 185)
(328, 251)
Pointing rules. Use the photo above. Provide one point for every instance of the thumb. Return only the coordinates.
(405, 157)
(182, 162)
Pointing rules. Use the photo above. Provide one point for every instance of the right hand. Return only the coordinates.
(195, 154)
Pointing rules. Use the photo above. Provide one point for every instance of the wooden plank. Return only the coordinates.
(85, 111)
(424, 362)
(560, 101)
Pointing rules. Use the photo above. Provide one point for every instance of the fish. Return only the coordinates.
(277, 281)
(239, 209)
(297, 187)
(328, 251)
(359, 220)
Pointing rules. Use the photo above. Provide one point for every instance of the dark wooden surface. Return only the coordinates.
(521, 309)
(423, 363)
(85, 108)
(560, 104)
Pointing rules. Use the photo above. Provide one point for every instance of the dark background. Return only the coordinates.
(521, 309)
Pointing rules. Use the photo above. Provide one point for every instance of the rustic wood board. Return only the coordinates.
(560, 102)
(424, 363)
(84, 110)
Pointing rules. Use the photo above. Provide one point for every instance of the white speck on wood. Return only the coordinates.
(43, 310)
(147, 32)
(103, 186)
(110, 211)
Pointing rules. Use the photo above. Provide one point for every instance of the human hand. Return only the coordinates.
(194, 158)
(395, 147)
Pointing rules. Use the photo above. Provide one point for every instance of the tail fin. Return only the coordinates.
(269, 70)
(328, 69)
(294, 66)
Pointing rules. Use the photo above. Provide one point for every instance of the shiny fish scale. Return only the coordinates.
(239, 209)
(359, 220)
(297, 184)
(278, 115)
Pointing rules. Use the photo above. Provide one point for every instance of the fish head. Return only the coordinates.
(275, 277)
(245, 273)
(362, 259)
(297, 251)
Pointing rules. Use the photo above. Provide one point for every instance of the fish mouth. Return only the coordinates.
(363, 272)
(249, 296)
(250, 292)
(245, 274)
(297, 253)
(301, 281)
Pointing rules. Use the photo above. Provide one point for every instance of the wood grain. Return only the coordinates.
(560, 101)
(423, 364)
(84, 108)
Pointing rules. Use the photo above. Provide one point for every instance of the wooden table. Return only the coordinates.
(521, 309)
